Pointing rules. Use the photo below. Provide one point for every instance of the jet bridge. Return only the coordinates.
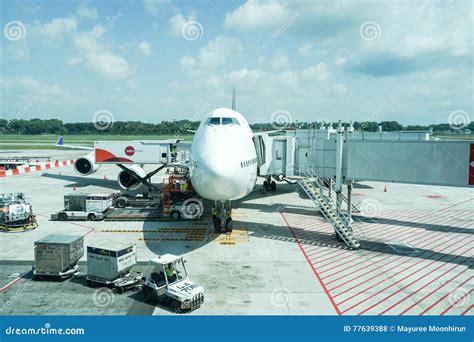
(398, 157)
(327, 155)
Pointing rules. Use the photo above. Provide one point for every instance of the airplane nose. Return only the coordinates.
(216, 178)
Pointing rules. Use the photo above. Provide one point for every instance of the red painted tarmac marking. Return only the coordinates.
(429, 294)
(14, 281)
(312, 267)
(444, 297)
(422, 287)
(383, 272)
(405, 277)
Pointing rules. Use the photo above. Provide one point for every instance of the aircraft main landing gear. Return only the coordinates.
(269, 185)
(221, 217)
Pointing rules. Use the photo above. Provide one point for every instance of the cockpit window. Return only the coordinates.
(222, 121)
(214, 121)
(229, 121)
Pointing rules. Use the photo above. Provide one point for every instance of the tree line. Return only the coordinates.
(181, 127)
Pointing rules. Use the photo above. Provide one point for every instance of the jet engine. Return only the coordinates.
(128, 179)
(86, 165)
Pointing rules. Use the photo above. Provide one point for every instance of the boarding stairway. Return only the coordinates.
(354, 207)
(314, 188)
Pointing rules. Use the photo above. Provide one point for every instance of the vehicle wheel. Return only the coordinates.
(62, 217)
(265, 185)
(229, 223)
(120, 290)
(92, 217)
(121, 203)
(175, 215)
(273, 186)
(217, 225)
(147, 294)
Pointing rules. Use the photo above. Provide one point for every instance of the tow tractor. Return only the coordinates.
(15, 213)
(168, 284)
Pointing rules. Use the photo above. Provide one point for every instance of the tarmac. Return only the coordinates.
(282, 258)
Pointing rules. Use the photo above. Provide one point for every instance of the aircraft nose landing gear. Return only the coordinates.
(221, 217)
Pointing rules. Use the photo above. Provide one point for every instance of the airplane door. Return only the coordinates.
(279, 156)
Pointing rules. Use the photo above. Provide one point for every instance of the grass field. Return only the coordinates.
(46, 142)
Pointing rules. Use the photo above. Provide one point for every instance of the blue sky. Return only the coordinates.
(154, 60)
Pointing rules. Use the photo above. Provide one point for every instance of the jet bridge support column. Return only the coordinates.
(339, 142)
(349, 201)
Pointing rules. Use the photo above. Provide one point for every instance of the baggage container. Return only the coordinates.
(109, 260)
(56, 254)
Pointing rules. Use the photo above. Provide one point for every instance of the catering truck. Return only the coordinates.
(84, 206)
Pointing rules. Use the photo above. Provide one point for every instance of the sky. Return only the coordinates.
(155, 60)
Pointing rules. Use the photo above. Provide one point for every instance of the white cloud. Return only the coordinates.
(18, 51)
(74, 61)
(89, 12)
(187, 63)
(338, 89)
(318, 72)
(153, 7)
(340, 61)
(27, 88)
(99, 57)
(212, 55)
(145, 48)
(256, 14)
(280, 61)
(177, 21)
(306, 49)
(55, 29)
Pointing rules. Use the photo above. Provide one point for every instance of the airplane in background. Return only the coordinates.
(222, 165)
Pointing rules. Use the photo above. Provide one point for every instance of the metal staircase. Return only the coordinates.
(355, 208)
(314, 188)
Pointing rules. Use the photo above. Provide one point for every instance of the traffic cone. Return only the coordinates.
(385, 189)
(74, 188)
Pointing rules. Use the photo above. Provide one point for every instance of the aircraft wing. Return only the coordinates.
(60, 143)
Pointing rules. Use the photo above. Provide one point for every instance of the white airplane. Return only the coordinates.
(222, 165)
